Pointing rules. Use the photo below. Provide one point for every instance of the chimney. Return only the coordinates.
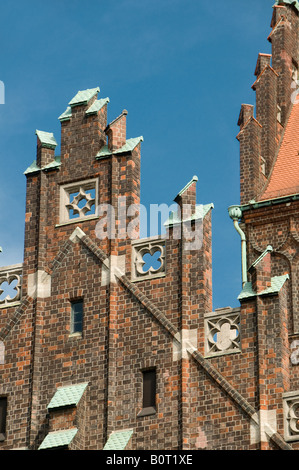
(116, 131)
(245, 114)
(262, 62)
(46, 145)
(186, 199)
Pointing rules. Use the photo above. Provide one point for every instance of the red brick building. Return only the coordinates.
(100, 349)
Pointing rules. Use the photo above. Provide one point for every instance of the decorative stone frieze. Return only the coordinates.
(222, 332)
(10, 285)
(148, 258)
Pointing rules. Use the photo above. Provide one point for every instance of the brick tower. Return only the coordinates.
(109, 341)
(268, 216)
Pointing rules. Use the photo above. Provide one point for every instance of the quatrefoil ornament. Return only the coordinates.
(141, 262)
(6, 282)
(149, 259)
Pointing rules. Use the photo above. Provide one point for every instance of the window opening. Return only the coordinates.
(152, 261)
(3, 412)
(78, 200)
(149, 389)
(77, 316)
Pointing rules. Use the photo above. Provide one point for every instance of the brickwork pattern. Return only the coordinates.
(228, 401)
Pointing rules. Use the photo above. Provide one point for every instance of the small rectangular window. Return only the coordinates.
(278, 113)
(149, 388)
(149, 393)
(77, 316)
(3, 410)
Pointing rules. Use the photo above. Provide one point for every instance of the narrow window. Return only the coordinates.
(3, 408)
(149, 389)
(294, 72)
(278, 113)
(263, 166)
(77, 316)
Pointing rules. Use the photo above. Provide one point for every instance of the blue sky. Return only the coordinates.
(181, 68)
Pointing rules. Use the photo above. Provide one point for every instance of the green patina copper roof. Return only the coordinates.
(276, 284)
(288, 2)
(53, 165)
(128, 147)
(33, 168)
(47, 139)
(195, 178)
(83, 96)
(93, 109)
(67, 396)
(58, 439)
(66, 115)
(118, 440)
(97, 105)
(200, 213)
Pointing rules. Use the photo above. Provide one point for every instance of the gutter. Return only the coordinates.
(235, 213)
(268, 202)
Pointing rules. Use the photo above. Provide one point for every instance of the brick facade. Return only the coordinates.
(224, 379)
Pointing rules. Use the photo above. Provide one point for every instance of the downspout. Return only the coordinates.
(235, 214)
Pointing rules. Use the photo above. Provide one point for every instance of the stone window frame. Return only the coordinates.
(214, 321)
(69, 188)
(290, 418)
(139, 249)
